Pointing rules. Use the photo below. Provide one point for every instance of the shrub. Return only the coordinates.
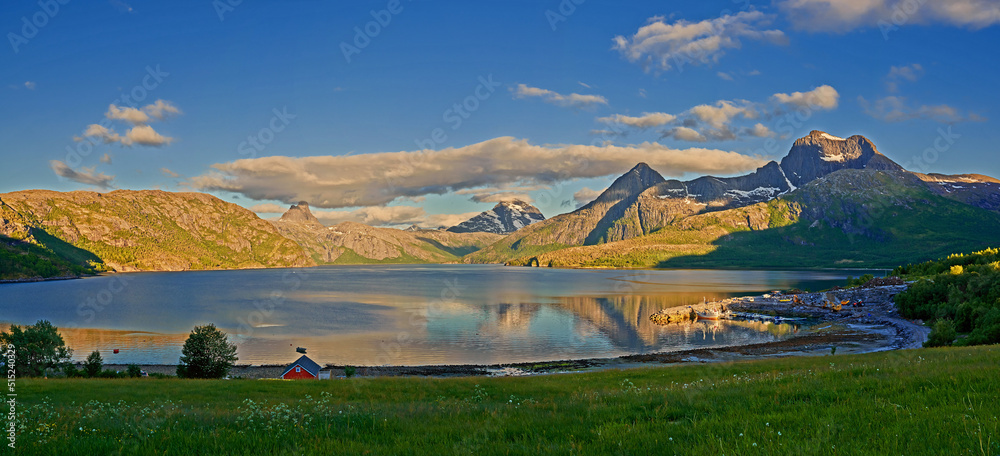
(92, 367)
(942, 335)
(349, 371)
(134, 371)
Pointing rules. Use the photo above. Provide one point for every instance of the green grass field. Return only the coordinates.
(930, 401)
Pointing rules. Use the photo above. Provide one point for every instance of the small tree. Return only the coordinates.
(207, 353)
(94, 364)
(38, 347)
(134, 371)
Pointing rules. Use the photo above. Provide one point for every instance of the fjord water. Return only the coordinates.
(400, 314)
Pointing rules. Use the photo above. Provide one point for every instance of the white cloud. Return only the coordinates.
(647, 120)
(585, 195)
(158, 110)
(573, 100)
(846, 15)
(896, 109)
(84, 176)
(761, 131)
(724, 76)
(822, 97)
(375, 216)
(268, 208)
(900, 73)
(684, 134)
(128, 114)
(722, 112)
(584, 84)
(501, 196)
(30, 85)
(663, 46)
(379, 178)
(145, 135)
(161, 110)
(167, 172)
(106, 159)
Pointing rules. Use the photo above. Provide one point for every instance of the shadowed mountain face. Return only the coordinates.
(505, 218)
(640, 203)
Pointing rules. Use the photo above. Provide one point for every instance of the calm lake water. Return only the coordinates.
(399, 315)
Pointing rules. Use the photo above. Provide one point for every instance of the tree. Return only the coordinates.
(94, 364)
(207, 353)
(37, 347)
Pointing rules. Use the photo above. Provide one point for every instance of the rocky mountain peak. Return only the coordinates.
(821, 153)
(629, 185)
(506, 217)
(299, 213)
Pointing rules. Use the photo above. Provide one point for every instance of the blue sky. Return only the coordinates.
(698, 87)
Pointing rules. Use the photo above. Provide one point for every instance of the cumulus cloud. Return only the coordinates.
(375, 216)
(379, 178)
(585, 195)
(903, 73)
(106, 159)
(159, 110)
(684, 134)
(145, 135)
(167, 172)
(723, 111)
(128, 114)
(646, 120)
(84, 176)
(268, 208)
(897, 109)
(573, 100)
(823, 97)
(846, 15)
(760, 130)
(662, 46)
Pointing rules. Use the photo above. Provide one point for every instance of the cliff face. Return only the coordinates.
(151, 230)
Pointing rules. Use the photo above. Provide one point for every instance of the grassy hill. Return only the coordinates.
(146, 230)
(929, 401)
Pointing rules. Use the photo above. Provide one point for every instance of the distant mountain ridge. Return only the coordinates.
(641, 203)
(505, 218)
(353, 243)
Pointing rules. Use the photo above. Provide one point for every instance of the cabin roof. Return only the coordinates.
(309, 365)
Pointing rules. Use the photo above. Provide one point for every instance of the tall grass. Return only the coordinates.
(931, 401)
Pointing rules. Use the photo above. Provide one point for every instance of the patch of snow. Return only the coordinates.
(832, 158)
(757, 192)
(791, 187)
(829, 136)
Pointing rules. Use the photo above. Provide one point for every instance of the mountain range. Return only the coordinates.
(830, 202)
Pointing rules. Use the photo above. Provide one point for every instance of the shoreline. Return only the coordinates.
(872, 328)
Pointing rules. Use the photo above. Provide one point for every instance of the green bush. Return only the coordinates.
(39, 347)
(134, 371)
(349, 371)
(92, 367)
(959, 295)
(942, 335)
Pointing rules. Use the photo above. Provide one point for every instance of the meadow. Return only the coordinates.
(928, 401)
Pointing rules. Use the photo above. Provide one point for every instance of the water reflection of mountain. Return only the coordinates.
(624, 320)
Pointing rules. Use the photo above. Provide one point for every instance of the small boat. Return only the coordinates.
(710, 315)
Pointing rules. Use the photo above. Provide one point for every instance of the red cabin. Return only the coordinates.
(302, 368)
